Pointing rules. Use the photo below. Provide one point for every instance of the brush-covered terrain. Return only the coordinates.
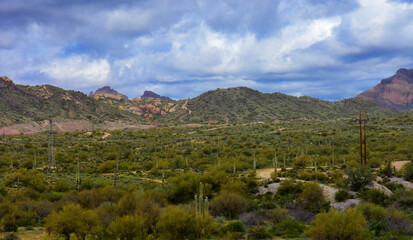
(263, 180)
(31, 105)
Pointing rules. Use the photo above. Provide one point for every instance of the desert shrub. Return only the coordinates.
(235, 186)
(397, 220)
(374, 196)
(301, 214)
(234, 226)
(289, 187)
(288, 191)
(358, 178)
(278, 215)
(228, 204)
(176, 223)
(106, 167)
(372, 212)
(392, 186)
(267, 204)
(258, 233)
(288, 228)
(408, 171)
(87, 184)
(29, 178)
(11, 236)
(342, 196)
(62, 185)
(312, 198)
(403, 199)
(306, 174)
(73, 219)
(252, 219)
(183, 187)
(128, 227)
(335, 225)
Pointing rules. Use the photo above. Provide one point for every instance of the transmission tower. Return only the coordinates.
(51, 160)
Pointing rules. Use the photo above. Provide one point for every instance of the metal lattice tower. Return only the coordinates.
(51, 160)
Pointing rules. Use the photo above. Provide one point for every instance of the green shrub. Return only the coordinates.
(374, 196)
(335, 225)
(278, 215)
(289, 228)
(228, 204)
(358, 178)
(342, 196)
(234, 226)
(408, 171)
(258, 233)
(106, 167)
(62, 185)
(312, 198)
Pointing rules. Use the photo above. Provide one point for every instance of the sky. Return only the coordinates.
(330, 50)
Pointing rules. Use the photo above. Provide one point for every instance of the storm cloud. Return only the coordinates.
(326, 49)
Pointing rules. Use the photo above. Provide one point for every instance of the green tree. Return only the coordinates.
(312, 198)
(177, 223)
(73, 219)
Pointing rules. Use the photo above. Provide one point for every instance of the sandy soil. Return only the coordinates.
(399, 164)
(266, 172)
(105, 135)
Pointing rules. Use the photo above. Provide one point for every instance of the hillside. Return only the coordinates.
(395, 92)
(244, 104)
(22, 103)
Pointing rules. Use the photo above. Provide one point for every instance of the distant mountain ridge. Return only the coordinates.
(395, 92)
(22, 103)
(150, 94)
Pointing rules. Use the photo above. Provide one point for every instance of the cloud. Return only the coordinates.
(78, 71)
(183, 48)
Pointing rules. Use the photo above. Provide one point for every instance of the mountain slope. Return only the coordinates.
(21, 103)
(244, 104)
(395, 92)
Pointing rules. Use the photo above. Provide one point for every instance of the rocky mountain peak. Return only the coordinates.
(6, 81)
(109, 92)
(150, 94)
(395, 92)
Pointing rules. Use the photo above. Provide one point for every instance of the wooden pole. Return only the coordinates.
(361, 142)
(365, 138)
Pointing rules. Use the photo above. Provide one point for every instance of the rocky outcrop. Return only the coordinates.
(107, 92)
(150, 94)
(395, 92)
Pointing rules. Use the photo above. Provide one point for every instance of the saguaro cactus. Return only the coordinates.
(201, 205)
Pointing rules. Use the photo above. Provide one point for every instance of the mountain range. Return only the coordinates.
(24, 104)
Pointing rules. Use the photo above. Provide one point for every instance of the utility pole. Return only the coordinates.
(361, 142)
(51, 159)
(78, 179)
(363, 139)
